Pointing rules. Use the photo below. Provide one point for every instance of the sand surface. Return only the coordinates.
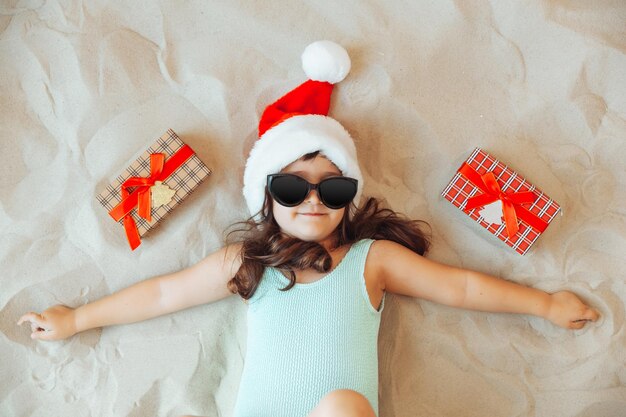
(86, 86)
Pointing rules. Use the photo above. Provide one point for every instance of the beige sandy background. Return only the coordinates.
(86, 86)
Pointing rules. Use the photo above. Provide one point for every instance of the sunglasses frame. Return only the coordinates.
(310, 187)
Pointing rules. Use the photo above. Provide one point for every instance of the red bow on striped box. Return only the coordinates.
(501, 200)
(160, 179)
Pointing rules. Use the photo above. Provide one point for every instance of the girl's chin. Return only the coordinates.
(312, 235)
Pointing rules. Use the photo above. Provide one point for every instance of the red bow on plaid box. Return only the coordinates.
(160, 179)
(141, 197)
(483, 180)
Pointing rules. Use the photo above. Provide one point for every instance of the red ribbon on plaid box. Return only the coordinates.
(482, 180)
(170, 165)
(141, 197)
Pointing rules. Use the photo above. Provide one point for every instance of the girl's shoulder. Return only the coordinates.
(381, 252)
(376, 248)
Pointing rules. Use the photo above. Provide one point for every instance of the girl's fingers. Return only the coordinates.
(43, 335)
(32, 317)
(592, 314)
(34, 327)
(41, 328)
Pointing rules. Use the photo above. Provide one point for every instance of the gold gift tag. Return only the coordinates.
(161, 194)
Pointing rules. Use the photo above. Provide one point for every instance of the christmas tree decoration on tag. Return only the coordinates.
(161, 194)
(152, 186)
(501, 200)
(492, 213)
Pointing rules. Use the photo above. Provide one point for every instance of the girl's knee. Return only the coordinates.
(344, 403)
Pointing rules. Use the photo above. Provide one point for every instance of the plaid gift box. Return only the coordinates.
(160, 179)
(501, 201)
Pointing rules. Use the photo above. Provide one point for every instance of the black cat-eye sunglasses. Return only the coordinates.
(290, 190)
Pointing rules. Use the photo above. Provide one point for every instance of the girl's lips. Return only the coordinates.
(312, 214)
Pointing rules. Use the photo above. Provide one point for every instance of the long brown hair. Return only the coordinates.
(265, 244)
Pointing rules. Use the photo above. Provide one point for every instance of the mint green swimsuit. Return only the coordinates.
(310, 340)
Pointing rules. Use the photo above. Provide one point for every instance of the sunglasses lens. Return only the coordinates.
(288, 190)
(337, 192)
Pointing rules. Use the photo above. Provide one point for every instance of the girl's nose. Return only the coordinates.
(313, 197)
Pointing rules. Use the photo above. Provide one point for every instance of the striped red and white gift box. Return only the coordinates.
(460, 189)
(183, 180)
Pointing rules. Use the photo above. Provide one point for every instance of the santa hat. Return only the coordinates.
(297, 124)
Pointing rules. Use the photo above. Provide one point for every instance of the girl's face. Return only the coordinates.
(297, 221)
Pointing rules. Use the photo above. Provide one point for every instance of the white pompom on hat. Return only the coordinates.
(325, 61)
(297, 124)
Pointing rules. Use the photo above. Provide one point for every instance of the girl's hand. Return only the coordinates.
(55, 323)
(566, 310)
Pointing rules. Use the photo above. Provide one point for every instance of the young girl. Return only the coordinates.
(314, 268)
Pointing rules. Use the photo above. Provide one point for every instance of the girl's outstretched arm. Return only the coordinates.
(405, 272)
(202, 283)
